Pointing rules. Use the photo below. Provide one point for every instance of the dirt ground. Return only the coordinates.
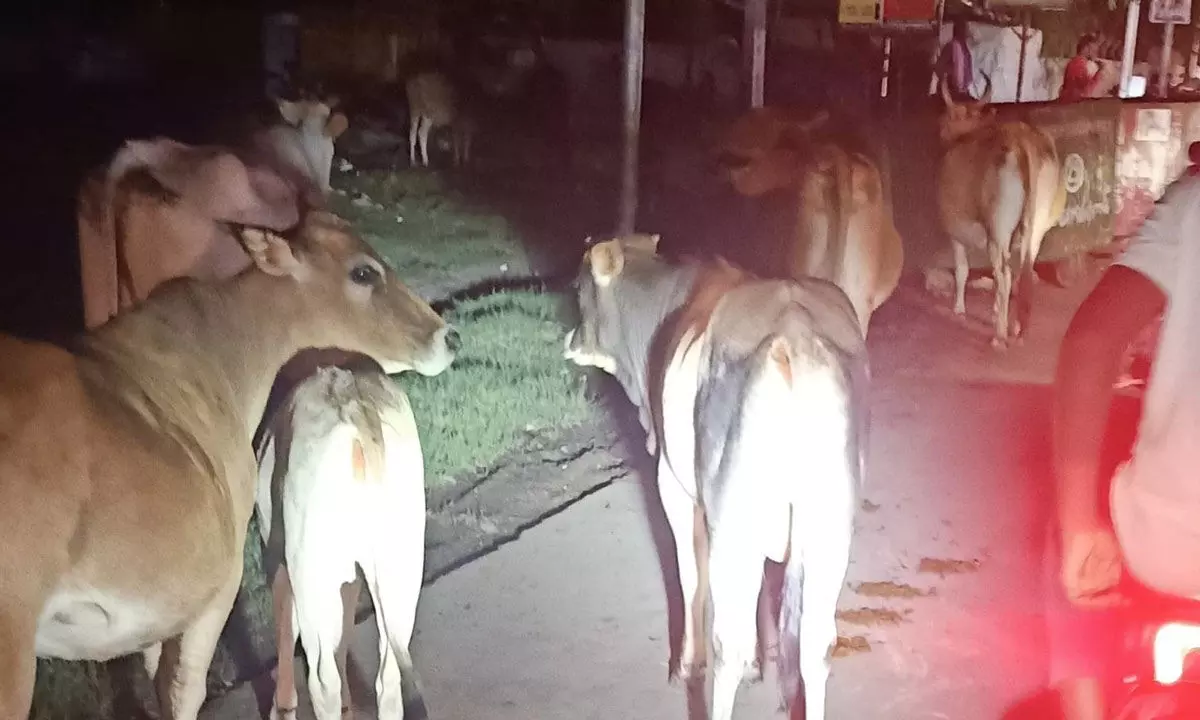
(942, 613)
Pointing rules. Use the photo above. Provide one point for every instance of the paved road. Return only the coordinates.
(570, 620)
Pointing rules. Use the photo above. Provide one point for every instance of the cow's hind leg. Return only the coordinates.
(350, 593)
(961, 269)
(395, 584)
(826, 538)
(736, 578)
(1002, 270)
(319, 615)
(286, 633)
(414, 125)
(423, 138)
(685, 519)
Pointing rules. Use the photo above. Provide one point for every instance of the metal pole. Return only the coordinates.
(1132, 12)
(937, 45)
(1021, 60)
(1193, 52)
(887, 64)
(756, 21)
(635, 33)
(1164, 62)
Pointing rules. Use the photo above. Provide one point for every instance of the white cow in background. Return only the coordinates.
(302, 146)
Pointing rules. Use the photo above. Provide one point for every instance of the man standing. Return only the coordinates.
(954, 63)
(1150, 527)
(1086, 75)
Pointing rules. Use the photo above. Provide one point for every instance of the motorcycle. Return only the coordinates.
(1160, 654)
(1160, 657)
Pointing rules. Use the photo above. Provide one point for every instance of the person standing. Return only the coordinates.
(1086, 75)
(955, 68)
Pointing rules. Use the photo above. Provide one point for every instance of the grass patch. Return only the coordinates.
(509, 381)
(426, 231)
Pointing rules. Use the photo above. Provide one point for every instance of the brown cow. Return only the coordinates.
(161, 209)
(126, 465)
(844, 229)
(999, 190)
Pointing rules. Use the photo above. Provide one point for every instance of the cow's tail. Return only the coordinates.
(819, 381)
(840, 201)
(1022, 239)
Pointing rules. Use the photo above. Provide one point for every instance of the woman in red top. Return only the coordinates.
(1079, 79)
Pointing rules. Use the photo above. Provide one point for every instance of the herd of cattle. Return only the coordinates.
(999, 191)
(130, 471)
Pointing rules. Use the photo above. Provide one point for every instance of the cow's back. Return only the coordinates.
(871, 252)
(431, 95)
(741, 390)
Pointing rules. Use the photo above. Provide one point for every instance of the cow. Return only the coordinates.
(302, 145)
(162, 209)
(756, 389)
(844, 232)
(433, 102)
(999, 190)
(126, 466)
(341, 482)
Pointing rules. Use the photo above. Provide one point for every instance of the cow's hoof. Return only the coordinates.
(754, 673)
(278, 713)
(999, 345)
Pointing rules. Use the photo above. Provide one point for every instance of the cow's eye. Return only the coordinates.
(365, 274)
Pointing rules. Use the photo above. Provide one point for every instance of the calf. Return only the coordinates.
(1001, 190)
(434, 102)
(341, 483)
(756, 391)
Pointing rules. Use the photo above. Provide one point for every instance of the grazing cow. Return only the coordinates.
(302, 146)
(341, 482)
(126, 464)
(162, 209)
(756, 391)
(434, 102)
(999, 190)
(844, 229)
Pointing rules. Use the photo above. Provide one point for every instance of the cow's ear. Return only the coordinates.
(607, 260)
(270, 253)
(291, 112)
(336, 126)
(645, 242)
